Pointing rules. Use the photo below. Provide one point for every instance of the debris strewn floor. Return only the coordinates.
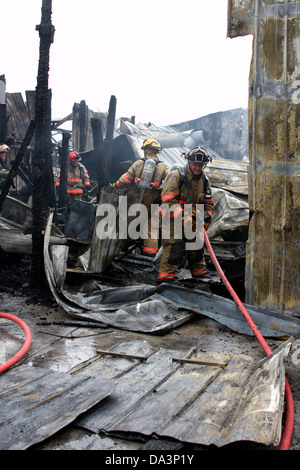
(64, 348)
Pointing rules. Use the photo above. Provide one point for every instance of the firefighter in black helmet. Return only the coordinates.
(186, 186)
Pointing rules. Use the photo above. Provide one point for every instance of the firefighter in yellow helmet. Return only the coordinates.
(147, 172)
(134, 175)
(78, 180)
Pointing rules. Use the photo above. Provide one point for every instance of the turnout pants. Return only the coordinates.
(151, 231)
(174, 254)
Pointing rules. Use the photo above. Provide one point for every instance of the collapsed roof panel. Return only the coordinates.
(35, 395)
(228, 174)
(194, 397)
(190, 396)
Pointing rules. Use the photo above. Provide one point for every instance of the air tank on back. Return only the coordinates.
(147, 173)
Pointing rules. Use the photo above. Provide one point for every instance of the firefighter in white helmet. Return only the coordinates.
(4, 171)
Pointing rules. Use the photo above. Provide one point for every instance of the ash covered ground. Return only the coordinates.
(15, 281)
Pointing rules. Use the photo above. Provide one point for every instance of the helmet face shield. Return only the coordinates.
(198, 158)
(198, 155)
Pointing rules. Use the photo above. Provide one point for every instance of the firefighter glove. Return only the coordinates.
(188, 220)
(207, 220)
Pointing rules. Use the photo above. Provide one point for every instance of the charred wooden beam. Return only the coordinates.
(82, 125)
(3, 120)
(99, 151)
(63, 158)
(41, 151)
(49, 196)
(109, 136)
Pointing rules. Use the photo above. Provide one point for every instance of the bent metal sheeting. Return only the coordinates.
(185, 395)
(154, 309)
(194, 402)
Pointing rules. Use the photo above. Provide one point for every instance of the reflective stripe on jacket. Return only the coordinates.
(77, 179)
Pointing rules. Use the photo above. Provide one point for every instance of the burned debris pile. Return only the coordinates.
(107, 147)
(81, 268)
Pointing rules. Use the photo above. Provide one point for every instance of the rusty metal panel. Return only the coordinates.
(240, 17)
(272, 262)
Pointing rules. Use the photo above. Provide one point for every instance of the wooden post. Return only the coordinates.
(98, 151)
(82, 125)
(109, 136)
(46, 33)
(63, 160)
(3, 120)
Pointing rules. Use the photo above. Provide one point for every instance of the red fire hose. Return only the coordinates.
(25, 346)
(289, 422)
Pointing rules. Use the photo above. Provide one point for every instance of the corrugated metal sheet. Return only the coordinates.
(36, 403)
(103, 247)
(195, 402)
(122, 307)
(226, 132)
(173, 144)
(189, 396)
